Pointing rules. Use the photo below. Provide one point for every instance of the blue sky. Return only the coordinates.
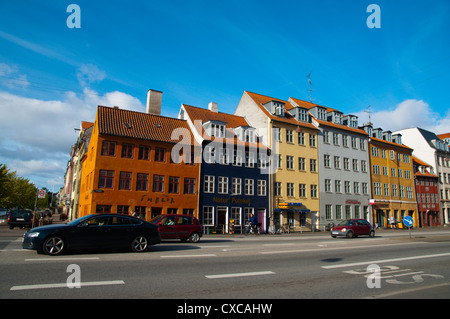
(53, 77)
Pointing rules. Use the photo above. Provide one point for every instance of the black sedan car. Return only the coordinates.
(98, 231)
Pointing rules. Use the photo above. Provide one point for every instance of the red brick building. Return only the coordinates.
(427, 194)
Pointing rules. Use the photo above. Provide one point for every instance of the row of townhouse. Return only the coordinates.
(288, 162)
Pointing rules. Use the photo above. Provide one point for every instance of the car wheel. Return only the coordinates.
(194, 238)
(372, 234)
(53, 245)
(139, 244)
(350, 234)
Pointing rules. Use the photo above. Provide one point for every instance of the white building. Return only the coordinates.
(433, 150)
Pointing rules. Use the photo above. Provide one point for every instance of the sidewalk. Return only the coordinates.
(379, 232)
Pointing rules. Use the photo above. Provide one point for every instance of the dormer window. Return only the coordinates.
(302, 115)
(321, 114)
(215, 129)
(245, 134)
(278, 109)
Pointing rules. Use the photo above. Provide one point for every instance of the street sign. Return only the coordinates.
(408, 221)
(41, 193)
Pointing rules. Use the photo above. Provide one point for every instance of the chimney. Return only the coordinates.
(154, 102)
(212, 106)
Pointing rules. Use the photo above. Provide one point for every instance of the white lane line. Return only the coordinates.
(64, 285)
(62, 259)
(188, 256)
(243, 274)
(384, 261)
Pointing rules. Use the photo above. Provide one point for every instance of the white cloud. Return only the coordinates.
(409, 113)
(89, 73)
(11, 76)
(36, 135)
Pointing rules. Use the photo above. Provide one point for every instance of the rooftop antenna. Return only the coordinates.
(310, 86)
(370, 113)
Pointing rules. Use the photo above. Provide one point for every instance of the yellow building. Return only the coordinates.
(287, 131)
(392, 178)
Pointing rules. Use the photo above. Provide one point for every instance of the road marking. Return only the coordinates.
(62, 258)
(331, 248)
(243, 274)
(384, 261)
(188, 256)
(64, 285)
(405, 291)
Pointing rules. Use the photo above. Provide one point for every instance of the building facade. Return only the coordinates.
(294, 172)
(135, 164)
(345, 188)
(392, 177)
(427, 194)
(233, 173)
(434, 151)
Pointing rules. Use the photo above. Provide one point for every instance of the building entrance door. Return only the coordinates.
(222, 218)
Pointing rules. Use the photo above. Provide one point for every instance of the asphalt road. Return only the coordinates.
(265, 267)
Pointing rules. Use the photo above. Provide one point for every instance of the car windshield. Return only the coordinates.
(155, 219)
(348, 222)
(78, 220)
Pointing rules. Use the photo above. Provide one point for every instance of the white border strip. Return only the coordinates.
(64, 285)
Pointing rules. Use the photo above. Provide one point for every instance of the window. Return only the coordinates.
(312, 165)
(277, 134)
(290, 189)
(142, 182)
(289, 136)
(109, 148)
(326, 137)
(301, 138)
(326, 161)
(302, 190)
(347, 187)
(237, 158)
(125, 180)
(312, 140)
(208, 186)
(336, 139)
(262, 190)
(289, 162)
(106, 179)
(121, 209)
(328, 185)
(249, 187)
(103, 209)
(189, 185)
(354, 142)
(144, 152)
(236, 186)
(223, 185)
(236, 215)
(356, 187)
(208, 215)
(313, 191)
(174, 185)
(337, 162)
(160, 154)
(328, 212)
(377, 188)
(277, 189)
(346, 163)
(158, 183)
(217, 130)
(338, 212)
(127, 150)
(337, 186)
(301, 164)
(249, 159)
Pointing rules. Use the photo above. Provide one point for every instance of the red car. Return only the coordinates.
(352, 228)
(184, 227)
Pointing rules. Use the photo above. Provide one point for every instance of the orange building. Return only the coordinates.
(392, 177)
(133, 165)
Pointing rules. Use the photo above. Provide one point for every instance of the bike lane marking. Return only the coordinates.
(384, 261)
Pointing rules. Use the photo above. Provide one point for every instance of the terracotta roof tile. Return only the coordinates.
(125, 123)
(260, 100)
(231, 122)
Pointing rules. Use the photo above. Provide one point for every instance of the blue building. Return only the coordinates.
(234, 172)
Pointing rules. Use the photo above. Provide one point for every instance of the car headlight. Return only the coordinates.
(33, 234)
(343, 229)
